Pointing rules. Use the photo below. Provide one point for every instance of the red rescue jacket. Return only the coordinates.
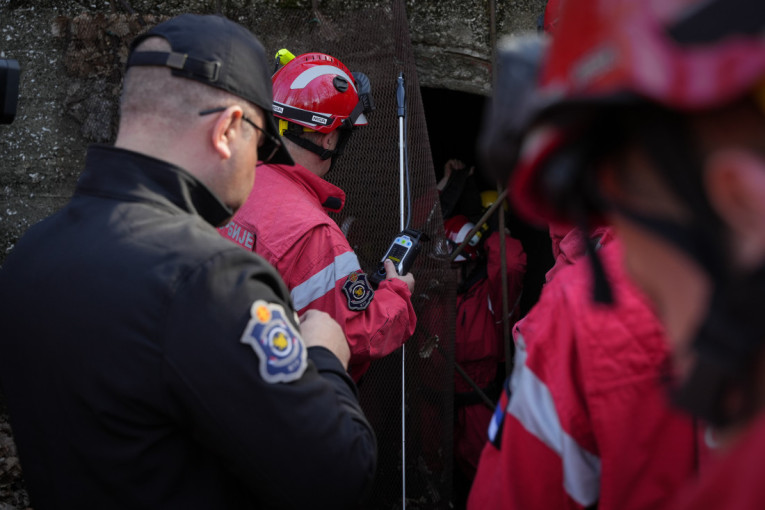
(478, 345)
(584, 419)
(478, 336)
(732, 481)
(285, 220)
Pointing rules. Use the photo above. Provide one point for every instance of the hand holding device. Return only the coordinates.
(402, 252)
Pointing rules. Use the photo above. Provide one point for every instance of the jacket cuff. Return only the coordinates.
(330, 367)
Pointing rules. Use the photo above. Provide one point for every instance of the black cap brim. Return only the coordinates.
(220, 53)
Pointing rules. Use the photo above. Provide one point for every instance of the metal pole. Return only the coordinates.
(484, 397)
(401, 111)
(479, 391)
(493, 35)
(505, 297)
(478, 225)
(401, 143)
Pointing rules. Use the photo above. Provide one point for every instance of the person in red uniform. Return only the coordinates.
(478, 340)
(319, 102)
(652, 118)
(584, 420)
(583, 402)
(478, 346)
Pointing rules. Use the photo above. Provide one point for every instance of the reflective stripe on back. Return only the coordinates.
(324, 281)
(532, 404)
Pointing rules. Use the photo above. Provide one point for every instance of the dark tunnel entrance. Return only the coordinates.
(454, 122)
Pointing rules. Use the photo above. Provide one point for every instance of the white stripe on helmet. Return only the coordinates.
(314, 72)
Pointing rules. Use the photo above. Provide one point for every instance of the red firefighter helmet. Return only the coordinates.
(318, 92)
(686, 55)
(661, 58)
(456, 229)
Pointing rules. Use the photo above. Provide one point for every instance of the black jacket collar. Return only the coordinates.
(131, 176)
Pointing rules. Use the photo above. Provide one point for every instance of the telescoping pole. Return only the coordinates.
(401, 112)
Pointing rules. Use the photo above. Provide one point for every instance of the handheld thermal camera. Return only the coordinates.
(402, 252)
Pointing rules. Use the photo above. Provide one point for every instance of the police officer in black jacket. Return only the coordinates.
(146, 361)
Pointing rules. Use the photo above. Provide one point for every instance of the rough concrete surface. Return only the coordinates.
(71, 55)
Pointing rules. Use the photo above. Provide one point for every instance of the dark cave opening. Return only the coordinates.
(454, 123)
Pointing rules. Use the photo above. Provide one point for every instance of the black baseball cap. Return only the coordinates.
(216, 51)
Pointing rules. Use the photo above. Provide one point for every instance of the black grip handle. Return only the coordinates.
(401, 96)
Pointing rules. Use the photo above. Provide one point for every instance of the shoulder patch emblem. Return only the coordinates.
(276, 341)
(358, 291)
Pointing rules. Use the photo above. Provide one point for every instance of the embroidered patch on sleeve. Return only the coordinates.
(358, 291)
(277, 343)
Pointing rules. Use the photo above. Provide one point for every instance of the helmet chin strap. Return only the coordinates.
(308, 145)
(320, 151)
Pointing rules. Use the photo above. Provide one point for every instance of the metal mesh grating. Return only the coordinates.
(376, 42)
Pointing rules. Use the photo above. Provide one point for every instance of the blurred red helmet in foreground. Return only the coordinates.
(686, 55)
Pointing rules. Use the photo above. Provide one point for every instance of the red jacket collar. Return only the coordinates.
(329, 196)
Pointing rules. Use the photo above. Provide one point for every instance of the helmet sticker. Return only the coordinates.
(276, 341)
(295, 114)
(307, 76)
(358, 291)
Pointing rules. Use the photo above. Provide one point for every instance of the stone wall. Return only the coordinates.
(71, 74)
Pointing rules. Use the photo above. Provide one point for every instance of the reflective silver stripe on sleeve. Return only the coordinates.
(324, 281)
(532, 404)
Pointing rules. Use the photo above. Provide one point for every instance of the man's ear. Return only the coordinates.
(226, 127)
(329, 140)
(735, 184)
